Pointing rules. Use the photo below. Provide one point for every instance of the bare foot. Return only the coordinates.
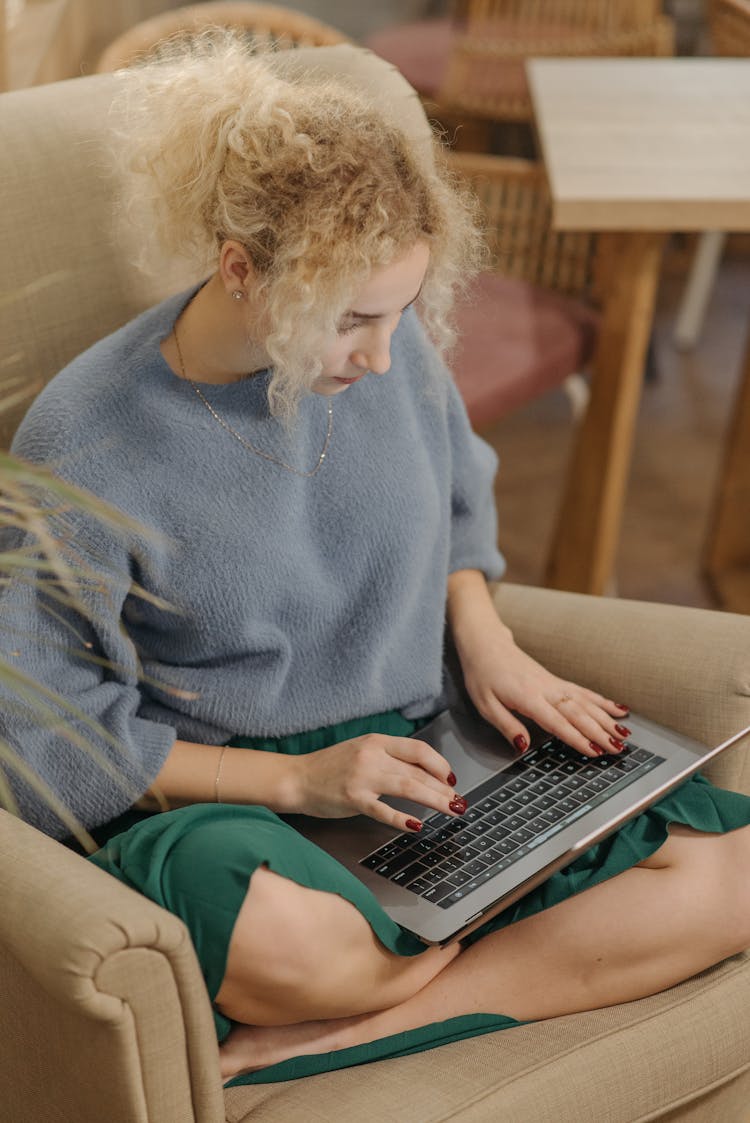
(248, 1048)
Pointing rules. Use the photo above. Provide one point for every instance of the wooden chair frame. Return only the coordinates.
(268, 25)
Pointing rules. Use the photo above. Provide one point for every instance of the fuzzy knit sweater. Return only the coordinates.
(291, 603)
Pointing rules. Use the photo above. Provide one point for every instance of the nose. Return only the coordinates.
(375, 356)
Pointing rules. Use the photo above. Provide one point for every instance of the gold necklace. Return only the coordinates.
(239, 437)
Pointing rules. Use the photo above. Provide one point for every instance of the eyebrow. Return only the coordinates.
(379, 315)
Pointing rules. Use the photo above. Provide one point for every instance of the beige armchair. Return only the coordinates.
(104, 1017)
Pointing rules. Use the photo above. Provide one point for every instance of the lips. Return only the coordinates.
(348, 381)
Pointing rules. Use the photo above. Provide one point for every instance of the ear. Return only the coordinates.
(235, 268)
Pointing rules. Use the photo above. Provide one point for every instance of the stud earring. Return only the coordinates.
(238, 294)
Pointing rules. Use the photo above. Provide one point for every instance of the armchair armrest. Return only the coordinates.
(687, 668)
(103, 999)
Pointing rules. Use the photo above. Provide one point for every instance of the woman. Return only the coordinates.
(314, 508)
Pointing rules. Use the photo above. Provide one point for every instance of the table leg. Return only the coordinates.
(583, 548)
(726, 560)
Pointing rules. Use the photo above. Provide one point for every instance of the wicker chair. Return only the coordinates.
(471, 64)
(729, 22)
(529, 324)
(268, 25)
(485, 75)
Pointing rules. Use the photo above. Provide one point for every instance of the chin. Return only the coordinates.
(328, 388)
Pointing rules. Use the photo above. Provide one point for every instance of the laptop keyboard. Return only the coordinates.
(508, 816)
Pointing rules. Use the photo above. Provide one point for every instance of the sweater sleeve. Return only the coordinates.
(473, 512)
(69, 699)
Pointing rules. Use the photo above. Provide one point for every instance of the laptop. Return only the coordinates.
(527, 817)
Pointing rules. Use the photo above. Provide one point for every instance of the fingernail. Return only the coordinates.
(596, 748)
(452, 778)
(458, 805)
(414, 824)
(622, 730)
(620, 706)
(521, 743)
(616, 744)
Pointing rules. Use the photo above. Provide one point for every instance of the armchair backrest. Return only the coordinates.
(68, 277)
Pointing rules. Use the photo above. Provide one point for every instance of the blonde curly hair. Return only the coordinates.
(306, 173)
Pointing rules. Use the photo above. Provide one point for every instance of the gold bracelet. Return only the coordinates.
(218, 774)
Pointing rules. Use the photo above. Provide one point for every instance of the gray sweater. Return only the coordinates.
(295, 603)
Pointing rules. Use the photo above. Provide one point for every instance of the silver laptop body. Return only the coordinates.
(481, 757)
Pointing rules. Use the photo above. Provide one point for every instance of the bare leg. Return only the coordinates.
(677, 913)
(298, 954)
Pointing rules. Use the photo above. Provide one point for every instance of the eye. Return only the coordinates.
(347, 329)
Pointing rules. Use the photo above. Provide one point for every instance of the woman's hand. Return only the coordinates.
(348, 779)
(500, 677)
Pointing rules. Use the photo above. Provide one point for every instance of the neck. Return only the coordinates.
(214, 344)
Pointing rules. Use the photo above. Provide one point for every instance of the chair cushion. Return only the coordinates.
(681, 1054)
(420, 50)
(517, 341)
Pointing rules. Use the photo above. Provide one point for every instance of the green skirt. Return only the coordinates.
(196, 862)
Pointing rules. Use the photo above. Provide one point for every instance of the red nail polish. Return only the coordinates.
(414, 824)
(596, 748)
(620, 706)
(616, 744)
(452, 779)
(521, 743)
(458, 805)
(622, 730)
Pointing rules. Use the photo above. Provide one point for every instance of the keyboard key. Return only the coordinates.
(432, 859)
(495, 818)
(597, 785)
(454, 898)
(400, 861)
(510, 807)
(521, 836)
(403, 877)
(513, 822)
(545, 802)
(437, 893)
(420, 886)
(477, 867)
(437, 822)
(540, 787)
(434, 876)
(471, 815)
(459, 878)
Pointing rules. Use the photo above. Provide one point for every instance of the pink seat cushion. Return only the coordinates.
(517, 341)
(419, 50)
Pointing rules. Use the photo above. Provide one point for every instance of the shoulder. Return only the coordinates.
(91, 407)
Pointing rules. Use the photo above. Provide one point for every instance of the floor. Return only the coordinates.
(681, 426)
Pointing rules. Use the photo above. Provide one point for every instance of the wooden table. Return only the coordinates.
(636, 148)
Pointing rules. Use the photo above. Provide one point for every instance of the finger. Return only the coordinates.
(555, 720)
(616, 710)
(421, 755)
(593, 721)
(382, 813)
(410, 783)
(493, 711)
